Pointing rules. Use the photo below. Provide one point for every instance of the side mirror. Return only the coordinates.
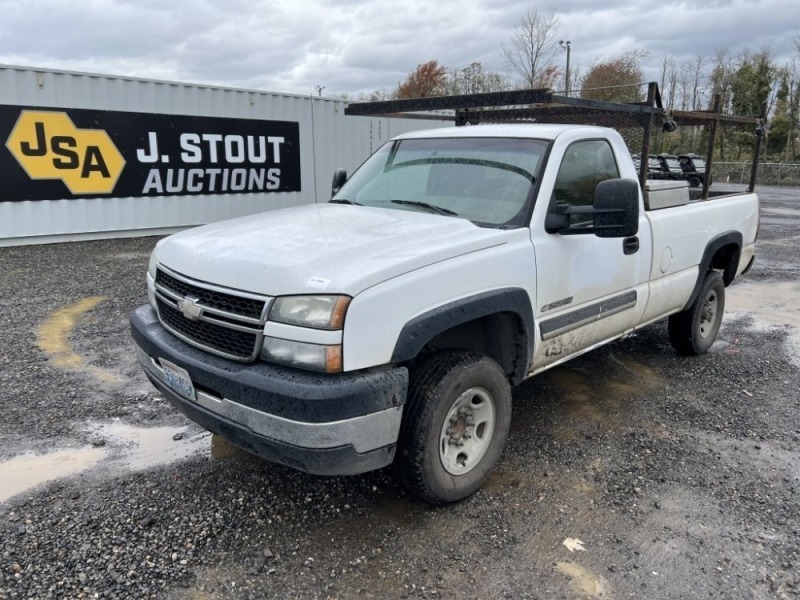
(339, 179)
(616, 208)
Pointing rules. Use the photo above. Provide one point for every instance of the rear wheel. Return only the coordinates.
(693, 331)
(455, 427)
(695, 181)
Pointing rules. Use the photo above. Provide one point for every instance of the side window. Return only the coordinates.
(585, 164)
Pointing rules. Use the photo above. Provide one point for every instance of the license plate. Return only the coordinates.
(178, 380)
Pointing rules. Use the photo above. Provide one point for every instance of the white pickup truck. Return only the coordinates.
(390, 324)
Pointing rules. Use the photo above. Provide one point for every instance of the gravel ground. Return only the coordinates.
(679, 476)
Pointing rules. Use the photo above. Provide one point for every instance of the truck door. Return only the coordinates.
(586, 285)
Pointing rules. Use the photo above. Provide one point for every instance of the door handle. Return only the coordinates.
(630, 245)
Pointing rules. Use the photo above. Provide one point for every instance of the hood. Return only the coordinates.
(320, 248)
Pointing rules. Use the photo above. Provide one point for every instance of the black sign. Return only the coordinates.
(55, 153)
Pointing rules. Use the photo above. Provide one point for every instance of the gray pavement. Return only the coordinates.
(679, 477)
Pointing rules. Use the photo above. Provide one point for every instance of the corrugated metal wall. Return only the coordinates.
(328, 139)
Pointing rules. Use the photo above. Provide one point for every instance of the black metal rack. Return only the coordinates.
(544, 106)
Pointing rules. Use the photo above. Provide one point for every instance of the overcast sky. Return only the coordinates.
(362, 45)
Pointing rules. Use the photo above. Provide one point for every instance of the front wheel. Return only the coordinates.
(457, 419)
(692, 331)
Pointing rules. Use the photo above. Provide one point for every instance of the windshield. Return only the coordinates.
(485, 180)
(699, 163)
(673, 164)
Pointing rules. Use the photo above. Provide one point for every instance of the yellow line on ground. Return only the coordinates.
(52, 337)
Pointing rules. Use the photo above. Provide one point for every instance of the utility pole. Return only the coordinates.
(319, 89)
(566, 46)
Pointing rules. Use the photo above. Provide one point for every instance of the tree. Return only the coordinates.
(696, 77)
(751, 87)
(752, 82)
(532, 48)
(780, 125)
(474, 79)
(428, 79)
(720, 83)
(669, 81)
(615, 79)
(692, 78)
(794, 104)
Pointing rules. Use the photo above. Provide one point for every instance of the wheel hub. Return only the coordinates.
(708, 315)
(467, 431)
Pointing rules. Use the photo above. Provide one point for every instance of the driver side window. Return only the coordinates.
(585, 164)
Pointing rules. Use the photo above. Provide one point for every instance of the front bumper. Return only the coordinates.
(322, 424)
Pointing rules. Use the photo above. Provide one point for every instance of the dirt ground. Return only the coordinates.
(629, 473)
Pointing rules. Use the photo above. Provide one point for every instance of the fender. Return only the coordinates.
(422, 329)
(720, 241)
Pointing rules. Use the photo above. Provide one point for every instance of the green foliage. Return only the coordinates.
(780, 126)
(752, 82)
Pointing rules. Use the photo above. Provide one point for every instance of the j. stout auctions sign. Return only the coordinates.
(55, 153)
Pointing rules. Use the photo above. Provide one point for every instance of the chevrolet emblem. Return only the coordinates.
(189, 307)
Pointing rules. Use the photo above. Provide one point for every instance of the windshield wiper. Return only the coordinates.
(437, 209)
(344, 201)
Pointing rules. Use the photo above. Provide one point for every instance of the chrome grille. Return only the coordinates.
(230, 303)
(229, 323)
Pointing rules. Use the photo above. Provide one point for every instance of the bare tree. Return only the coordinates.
(533, 47)
(695, 74)
(696, 71)
(685, 85)
(669, 81)
(575, 76)
(474, 79)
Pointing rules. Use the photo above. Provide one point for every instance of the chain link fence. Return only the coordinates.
(780, 174)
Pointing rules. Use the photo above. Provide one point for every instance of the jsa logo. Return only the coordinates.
(49, 146)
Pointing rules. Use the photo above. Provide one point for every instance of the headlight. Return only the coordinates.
(151, 267)
(317, 312)
(303, 355)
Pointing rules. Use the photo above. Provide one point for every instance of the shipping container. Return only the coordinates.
(88, 156)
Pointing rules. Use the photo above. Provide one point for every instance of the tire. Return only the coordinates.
(455, 427)
(695, 181)
(693, 331)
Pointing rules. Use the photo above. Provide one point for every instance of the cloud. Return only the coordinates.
(360, 45)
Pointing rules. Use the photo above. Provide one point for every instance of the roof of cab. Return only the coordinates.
(514, 130)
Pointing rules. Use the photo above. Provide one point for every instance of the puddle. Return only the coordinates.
(28, 470)
(584, 582)
(132, 448)
(769, 304)
(145, 447)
